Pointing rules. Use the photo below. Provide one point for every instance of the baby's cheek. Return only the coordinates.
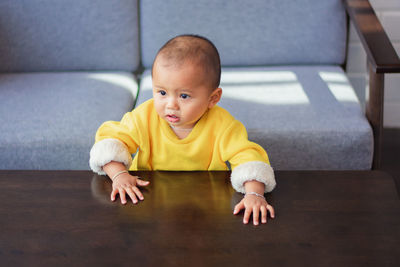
(159, 107)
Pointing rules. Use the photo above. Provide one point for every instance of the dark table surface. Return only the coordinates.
(65, 218)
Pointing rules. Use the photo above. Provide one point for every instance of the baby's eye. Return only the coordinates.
(185, 96)
(162, 92)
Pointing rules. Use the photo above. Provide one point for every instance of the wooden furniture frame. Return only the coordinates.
(381, 59)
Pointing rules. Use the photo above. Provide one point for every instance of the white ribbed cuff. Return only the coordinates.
(108, 150)
(253, 170)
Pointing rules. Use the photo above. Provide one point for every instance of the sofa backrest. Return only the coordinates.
(247, 33)
(62, 35)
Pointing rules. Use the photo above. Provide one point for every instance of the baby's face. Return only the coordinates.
(181, 94)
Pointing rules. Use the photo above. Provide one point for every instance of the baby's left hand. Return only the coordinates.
(254, 204)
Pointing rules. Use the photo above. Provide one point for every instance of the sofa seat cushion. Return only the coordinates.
(306, 117)
(49, 120)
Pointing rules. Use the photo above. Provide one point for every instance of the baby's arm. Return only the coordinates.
(254, 179)
(124, 183)
(254, 202)
(112, 155)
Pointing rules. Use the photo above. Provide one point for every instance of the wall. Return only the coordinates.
(388, 12)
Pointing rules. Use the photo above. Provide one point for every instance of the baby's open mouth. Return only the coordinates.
(172, 118)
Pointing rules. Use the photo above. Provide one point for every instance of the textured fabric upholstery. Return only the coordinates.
(250, 33)
(65, 67)
(50, 35)
(306, 117)
(49, 120)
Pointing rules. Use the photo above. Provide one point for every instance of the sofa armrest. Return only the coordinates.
(382, 58)
(380, 51)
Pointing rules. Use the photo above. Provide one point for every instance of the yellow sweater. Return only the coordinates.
(215, 139)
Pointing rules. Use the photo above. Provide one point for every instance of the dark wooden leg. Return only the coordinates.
(374, 112)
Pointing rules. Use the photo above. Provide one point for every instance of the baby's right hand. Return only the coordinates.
(128, 184)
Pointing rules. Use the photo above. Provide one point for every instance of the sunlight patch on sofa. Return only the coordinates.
(257, 76)
(339, 86)
(274, 88)
(120, 80)
(146, 83)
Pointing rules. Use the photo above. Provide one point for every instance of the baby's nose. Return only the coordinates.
(172, 103)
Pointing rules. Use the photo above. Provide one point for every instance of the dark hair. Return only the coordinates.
(193, 48)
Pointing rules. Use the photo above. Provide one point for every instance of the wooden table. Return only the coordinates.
(65, 218)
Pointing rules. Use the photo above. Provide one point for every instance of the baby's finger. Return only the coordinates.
(246, 216)
(122, 195)
(271, 211)
(256, 215)
(114, 194)
(238, 207)
(263, 214)
(141, 182)
(131, 194)
(137, 192)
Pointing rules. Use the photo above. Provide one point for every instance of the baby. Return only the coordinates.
(182, 128)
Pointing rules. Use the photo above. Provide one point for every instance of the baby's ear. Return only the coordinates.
(215, 97)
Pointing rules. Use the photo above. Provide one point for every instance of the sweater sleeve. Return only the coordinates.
(115, 141)
(248, 160)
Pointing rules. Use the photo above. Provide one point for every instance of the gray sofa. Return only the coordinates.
(68, 66)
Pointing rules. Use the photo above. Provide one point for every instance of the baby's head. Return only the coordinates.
(186, 75)
(185, 50)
